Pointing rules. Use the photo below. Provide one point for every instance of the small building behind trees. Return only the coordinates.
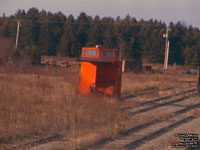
(132, 66)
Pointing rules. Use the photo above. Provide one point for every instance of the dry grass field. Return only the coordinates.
(41, 102)
(39, 105)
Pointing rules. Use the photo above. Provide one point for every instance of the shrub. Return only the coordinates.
(33, 53)
(15, 54)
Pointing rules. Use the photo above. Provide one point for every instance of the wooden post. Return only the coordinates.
(174, 66)
(17, 36)
(123, 65)
(166, 49)
(198, 81)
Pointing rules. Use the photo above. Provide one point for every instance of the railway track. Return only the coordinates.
(137, 135)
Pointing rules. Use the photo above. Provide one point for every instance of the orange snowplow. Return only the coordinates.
(100, 71)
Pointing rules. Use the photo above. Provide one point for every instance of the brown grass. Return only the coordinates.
(141, 83)
(38, 106)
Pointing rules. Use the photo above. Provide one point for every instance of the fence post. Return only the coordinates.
(198, 81)
(123, 65)
(174, 66)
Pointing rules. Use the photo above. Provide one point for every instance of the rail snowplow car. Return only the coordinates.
(100, 71)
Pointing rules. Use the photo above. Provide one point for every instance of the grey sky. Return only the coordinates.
(166, 10)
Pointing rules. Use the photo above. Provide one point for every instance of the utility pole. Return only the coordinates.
(166, 48)
(17, 36)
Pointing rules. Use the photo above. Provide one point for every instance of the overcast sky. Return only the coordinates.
(187, 11)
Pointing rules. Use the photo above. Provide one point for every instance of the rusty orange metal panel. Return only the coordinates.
(109, 78)
(87, 77)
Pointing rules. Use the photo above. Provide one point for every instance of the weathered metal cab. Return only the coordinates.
(100, 71)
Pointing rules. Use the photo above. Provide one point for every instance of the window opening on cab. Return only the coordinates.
(108, 54)
(89, 52)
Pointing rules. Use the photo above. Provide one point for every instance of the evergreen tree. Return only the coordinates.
(53, 34)
(82, 32)
(95, 36)
(69, 45)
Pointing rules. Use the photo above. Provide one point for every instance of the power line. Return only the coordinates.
(89, 23)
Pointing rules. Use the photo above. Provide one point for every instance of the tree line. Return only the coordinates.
(54, 34)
